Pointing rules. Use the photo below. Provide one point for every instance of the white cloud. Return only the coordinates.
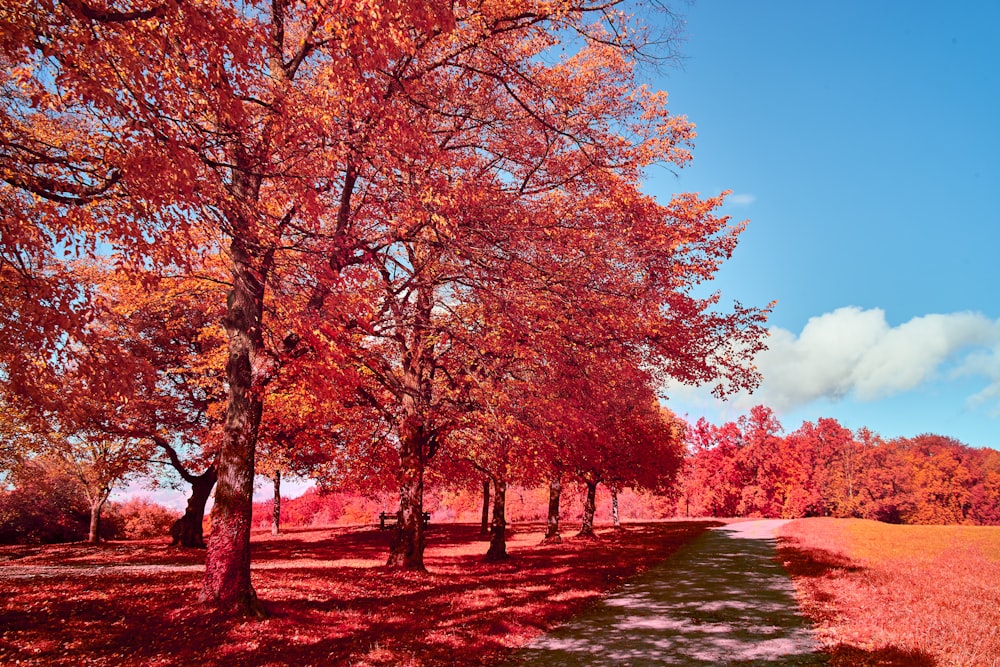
(741, 199)
(854, 352)
(984, 363)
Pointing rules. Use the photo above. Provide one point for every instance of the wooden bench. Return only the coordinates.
(389, 520)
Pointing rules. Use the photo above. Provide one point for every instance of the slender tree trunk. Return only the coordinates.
(498, 538)
(188, 531)
(484, 528)
(276, 516)
(227, 563)
(614, 509)
(555, 493)
(589, 508)
(407, 552)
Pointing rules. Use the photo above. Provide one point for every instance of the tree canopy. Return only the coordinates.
(397, 210)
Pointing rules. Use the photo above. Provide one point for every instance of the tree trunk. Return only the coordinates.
(94, 535)
(188, 530)
(498, 539)
(555, 492)
(227, 563)
(484, 528)
(614, 509)
(276, 516)
(407, 552)
(589, 508)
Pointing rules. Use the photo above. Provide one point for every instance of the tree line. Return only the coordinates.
(386, 241)
(750, 467)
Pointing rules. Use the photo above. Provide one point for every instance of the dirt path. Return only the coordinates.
(43, 571)
(721, 600)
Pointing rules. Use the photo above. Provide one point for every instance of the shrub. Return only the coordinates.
(143, 519)
(45, 506)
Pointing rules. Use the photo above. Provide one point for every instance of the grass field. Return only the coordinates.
(898, 595)
(328, 597)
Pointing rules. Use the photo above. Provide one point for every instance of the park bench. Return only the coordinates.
(389, 520)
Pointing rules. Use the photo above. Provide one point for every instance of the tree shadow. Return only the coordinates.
(815, 563)
(802, 562)
(462, 611)
(844, 655)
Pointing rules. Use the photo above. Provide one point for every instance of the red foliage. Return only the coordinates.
(745, 468)
(46, 505)
(142, 519)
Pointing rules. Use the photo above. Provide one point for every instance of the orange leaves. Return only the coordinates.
(746, 468)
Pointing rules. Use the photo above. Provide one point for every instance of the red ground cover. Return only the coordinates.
(329, 600)
(912, 596)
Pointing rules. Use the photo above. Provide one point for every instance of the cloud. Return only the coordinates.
(983, 363)
(854, 352)
(741, 199)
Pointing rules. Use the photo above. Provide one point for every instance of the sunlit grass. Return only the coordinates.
(899, 595)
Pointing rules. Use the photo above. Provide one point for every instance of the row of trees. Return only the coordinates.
(749, 467)
(380, 242)
(316, 508)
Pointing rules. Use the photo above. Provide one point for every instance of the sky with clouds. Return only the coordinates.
(861, 139)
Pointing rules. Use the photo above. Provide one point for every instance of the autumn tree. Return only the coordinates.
(985, 493)
(42, 502)
(834, 457)
(942, 478)
(629, 440)
(713, 479)
(161, 329)
(496, 437)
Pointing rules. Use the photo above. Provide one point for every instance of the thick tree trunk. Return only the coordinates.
(188, 530)
(484, 528)
(276, 516)
(498, 538)
(589, 508)
(227, 564)
(614, 509)
(407, 552)
(555, 493)
(94, 534)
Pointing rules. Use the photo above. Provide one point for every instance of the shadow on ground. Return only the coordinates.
(721, 600)
(814, 563)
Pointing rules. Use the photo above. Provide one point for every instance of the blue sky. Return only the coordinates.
(862, 141)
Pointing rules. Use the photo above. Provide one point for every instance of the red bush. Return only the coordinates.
(142, 519)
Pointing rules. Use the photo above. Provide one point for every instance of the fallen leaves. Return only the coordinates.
(333, 603)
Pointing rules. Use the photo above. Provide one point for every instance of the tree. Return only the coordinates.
(623, 438)
(713, 480)
(986, 490)
(834, 458)
(99, 464)
(45, 504)
(163, 334)
(228, 102)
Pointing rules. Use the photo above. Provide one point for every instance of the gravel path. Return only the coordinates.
(43, 571)
(721, 600)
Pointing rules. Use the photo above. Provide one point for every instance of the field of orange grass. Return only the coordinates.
(898, 595)
(329, 599)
